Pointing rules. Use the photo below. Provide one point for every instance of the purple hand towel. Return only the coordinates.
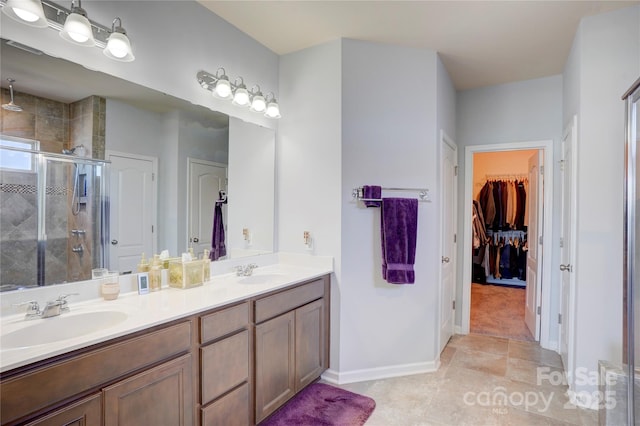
(399, 230)
(371, 191)
(218, 247)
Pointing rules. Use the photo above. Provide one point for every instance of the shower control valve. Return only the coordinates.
(33, 309)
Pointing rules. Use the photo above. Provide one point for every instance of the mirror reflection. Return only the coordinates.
(167, 161)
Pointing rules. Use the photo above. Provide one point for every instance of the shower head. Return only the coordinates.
(11, 106)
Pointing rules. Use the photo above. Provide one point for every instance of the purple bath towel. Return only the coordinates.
(372, 191)
(218, 247)
(399, 226)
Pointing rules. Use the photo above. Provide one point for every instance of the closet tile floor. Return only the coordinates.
(498, 311)
(482, 380)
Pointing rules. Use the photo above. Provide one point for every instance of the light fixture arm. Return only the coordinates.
(118, 28)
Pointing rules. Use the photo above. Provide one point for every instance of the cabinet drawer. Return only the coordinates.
(43, 387)
(230, 410)
(225, 365)
(221, 323)
(285, 301)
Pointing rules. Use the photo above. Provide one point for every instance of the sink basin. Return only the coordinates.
(262, 278)
(63, 327)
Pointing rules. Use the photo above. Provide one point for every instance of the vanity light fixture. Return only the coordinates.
(118, 44)
(73, 25)
(221, 87)
(29, 12)
(273, 110)
(77, 28)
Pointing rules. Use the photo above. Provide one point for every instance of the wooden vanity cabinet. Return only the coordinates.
(148, 372)
(291, 343)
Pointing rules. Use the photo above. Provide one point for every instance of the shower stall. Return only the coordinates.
(53, 215)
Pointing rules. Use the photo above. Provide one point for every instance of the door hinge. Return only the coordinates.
(455, 170)
(455, 238)
(541, 170)
(152, 229)
(559, 318)
(153, 177)
(454, 305)
(540, 240)
(539, 310)
(562, 165)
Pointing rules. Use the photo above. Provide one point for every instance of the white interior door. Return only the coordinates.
(534, 236)
(131, 213)
(448, 169)
(206, 179)
(567, 246)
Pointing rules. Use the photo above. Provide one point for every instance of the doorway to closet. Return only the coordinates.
(504, 272)
(503, 267)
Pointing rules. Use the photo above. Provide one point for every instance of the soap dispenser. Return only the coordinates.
(143, 266)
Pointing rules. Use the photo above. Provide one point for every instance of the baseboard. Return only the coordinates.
(340, 378)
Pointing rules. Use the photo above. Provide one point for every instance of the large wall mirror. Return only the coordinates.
(167, 161)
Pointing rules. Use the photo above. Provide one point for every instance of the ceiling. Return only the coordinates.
(481, 43)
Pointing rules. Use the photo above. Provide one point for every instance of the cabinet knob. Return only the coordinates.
(114, 242)
(445, 259)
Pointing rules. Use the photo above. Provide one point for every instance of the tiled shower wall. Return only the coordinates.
(56, 125)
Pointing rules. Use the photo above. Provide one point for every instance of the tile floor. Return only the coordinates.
(483, 380)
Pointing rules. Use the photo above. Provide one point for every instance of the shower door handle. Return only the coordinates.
(114, 242)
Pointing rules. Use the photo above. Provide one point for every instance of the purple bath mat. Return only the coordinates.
(323, 405)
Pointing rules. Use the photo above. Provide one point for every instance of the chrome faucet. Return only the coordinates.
(245, 270)
(53, 308)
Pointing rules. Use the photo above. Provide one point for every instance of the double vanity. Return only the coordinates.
(229, 352)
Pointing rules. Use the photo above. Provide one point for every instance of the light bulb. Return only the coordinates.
(77, 29)
(241, 97)
(273, 110)
(223, 88)
(117, 47)
(25, 15)
(258, 104)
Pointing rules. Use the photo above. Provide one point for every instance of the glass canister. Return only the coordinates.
(206, 264)
(155, 274)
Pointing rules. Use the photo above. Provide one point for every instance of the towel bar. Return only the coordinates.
(423, 193)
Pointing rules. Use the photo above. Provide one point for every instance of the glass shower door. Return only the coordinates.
(632, 252)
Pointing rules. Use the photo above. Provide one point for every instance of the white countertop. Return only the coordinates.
(148, 310)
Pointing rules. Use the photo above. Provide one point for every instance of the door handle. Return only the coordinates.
(566, 267)
(196, 239)
(445, 259)
(114, 242)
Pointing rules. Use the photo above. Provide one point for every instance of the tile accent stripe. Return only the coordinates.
(14, 188)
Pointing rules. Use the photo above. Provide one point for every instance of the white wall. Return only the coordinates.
(523, 111)
(309, 194)
(172, 41)
(605, 61)
(389, 139)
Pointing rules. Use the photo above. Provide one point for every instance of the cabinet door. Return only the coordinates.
(275, 363)
(86, 412)
(310, 343)
(162, 395)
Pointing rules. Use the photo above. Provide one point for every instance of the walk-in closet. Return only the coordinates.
(500, 224)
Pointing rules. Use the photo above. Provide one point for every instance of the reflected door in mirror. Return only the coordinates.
(131, 212)
(206, 179)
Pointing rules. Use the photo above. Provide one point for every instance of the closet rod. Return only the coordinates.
(423, 193)
(507, 176)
